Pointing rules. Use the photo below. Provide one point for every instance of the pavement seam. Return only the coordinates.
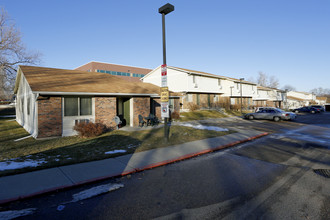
(69, 178)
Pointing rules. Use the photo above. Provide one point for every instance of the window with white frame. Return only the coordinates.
(190, 97)
(194, 79)
(219, 82)
(77, 106)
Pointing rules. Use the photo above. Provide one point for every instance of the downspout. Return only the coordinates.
(36, 115)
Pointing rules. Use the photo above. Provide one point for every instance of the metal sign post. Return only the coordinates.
(164, 10)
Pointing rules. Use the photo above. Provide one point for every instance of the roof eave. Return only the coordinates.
(94, 94)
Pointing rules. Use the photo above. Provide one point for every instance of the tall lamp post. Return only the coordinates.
(241, 79)
(164, 10)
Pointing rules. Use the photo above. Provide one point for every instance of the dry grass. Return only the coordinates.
(70, 150)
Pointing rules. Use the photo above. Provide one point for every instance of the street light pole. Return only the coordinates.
(241, 79)
(164, 10)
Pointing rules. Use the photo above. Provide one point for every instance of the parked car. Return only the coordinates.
(307, 109)
(271, 114)
(262, 108)
(319, 107)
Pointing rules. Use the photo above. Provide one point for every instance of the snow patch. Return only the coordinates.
(115, 151)
(6, 215)
(12, 165)
(86, 194)
(203, 127)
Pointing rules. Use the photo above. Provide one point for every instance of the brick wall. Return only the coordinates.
(141, 106)
(50, 117)
(157, 108)
(270, 104)
(105, 110)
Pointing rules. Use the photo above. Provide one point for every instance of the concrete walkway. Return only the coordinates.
(38, 182)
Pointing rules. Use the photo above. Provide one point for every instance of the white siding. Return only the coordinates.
(26, 107)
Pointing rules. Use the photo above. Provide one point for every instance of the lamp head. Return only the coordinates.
(165, 9)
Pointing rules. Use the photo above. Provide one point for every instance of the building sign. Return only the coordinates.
(165, 110)
(164, 75)
(164, 94)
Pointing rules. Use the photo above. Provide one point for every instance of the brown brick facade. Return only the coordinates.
(105, 110)
(177, 105)
(156, 107)
(50, 117)
(141, 106)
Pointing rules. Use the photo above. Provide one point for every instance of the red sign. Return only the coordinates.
(164, 70)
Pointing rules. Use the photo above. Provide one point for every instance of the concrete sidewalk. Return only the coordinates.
(38, 182)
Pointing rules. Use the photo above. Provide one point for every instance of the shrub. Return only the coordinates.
(175, 115)
(89, 129)
(193, 107)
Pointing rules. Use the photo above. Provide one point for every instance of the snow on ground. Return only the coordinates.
(115, 151)
(95, 191)
(12, 165)
(6, 215)
(203, 127)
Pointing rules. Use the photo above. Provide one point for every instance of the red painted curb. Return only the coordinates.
(150, 166)
(187, 156)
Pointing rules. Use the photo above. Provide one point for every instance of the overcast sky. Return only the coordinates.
(289, 39)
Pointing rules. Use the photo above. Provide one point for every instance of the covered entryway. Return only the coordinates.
(123, 110)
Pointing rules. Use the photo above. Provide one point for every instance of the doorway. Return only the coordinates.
(123, 110)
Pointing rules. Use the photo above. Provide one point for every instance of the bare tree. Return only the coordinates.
(273, 82)
(320, 91)
(267, 81)
(289, 88)
(262, 79)
(12, 53)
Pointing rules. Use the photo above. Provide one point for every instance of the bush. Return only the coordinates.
(193, 107)
(90, 129)
(175, 115)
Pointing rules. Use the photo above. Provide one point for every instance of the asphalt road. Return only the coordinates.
(270, 178)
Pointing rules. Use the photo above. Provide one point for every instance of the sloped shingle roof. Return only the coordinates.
(212, 75)
(43, 79)
(295, 98)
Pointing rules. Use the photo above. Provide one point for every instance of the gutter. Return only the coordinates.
(95, 94)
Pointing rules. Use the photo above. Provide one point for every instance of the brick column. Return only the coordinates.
(141, 106)
(50, 117)
(105, 110)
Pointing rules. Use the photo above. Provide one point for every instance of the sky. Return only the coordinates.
(288, 39)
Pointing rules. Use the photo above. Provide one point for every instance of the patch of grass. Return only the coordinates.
(205, 114)
(200, 115)
(70, 150)
(10, 130)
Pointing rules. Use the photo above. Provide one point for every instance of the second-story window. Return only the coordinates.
(219, 82)
(194, 79)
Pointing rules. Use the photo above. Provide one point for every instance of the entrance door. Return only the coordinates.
(126, 111)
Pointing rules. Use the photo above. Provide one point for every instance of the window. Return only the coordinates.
(70, 106)
(85, 106)
(190, 98)
(75, 106)
(219, 82)
(28, 105)
(194, 79)
(171, 104)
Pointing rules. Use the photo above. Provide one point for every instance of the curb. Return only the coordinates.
(150, 166)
